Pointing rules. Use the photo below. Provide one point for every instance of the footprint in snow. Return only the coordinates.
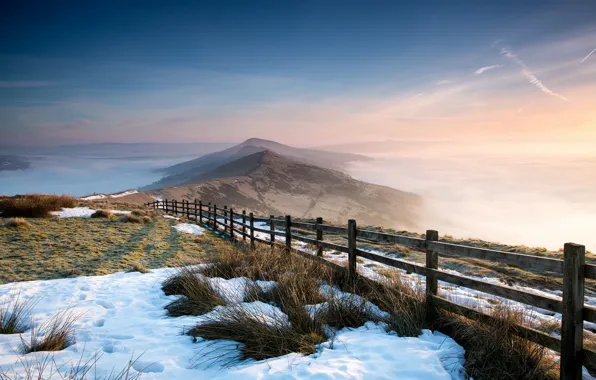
(105, 304)
(148, 367)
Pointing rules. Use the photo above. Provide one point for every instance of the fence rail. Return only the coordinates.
(572, 268)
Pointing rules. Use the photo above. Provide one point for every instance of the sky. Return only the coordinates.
(304, 72)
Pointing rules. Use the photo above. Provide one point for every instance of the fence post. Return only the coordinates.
(175, 207)
(243, 225)
(200, 211)
(288, 233)
(432, 285)
(572, 324)
(352, 249)
(208, 213)
(272, 229)
(252, 230)
(231, 224)
(215, 217)
(225, 212)
(319, 235)
(187, 209)
(165, 205)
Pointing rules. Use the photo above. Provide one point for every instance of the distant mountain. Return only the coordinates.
(211, 161)
(269, 183)
(12, 162)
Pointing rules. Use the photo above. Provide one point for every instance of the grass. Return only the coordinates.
(131, 219)
(17, 223)
(198, 296)
(54, 334)
(15, 315)
(102, 214)
(59, 248)
(34, 205)
(138, 267)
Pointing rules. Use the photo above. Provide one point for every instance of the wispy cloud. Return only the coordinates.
(25, 84)
(530, 76)
(444, 82)
(417, 96)
(588, 56)
(484, 69)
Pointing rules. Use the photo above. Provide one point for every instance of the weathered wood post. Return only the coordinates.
(352, 249)
(319, 235)
(231, 224)
(196, 215)
(572, 324)
(288, 233)
(175, 207)
(200, 211)
(225, 212)
(243, 225)
(432, 285)
(188, 209)
(215, 216)
(252, 230)
(208, 212)
(165, 205)
(272, 229)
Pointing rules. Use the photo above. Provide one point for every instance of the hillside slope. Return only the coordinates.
(268, 183)
(189, 170)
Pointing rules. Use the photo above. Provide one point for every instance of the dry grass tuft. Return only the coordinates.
(197, 295)
(34, 205)
(54, 334)
(102, 214)
(138, 267)
(17, 223)
(495, 352)
(131, 219)
(15, 315)
(147, 219)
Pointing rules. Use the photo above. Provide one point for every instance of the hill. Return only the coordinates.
(268, 183)
(184, 172)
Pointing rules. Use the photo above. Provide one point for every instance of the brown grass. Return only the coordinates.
(54, 334)
(34, 205)
(17, 223)
(197, 295)
(102, 214)
(131, 219)
(15, 315)
(138, 267)
(147, 219)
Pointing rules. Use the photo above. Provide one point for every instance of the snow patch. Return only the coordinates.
(188, 228)
(82, 212)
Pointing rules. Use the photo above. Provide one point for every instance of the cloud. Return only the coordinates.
(417, 96)
(444, 82)
(530, 76)
(588, 56)
(484, 69)
(25, 84)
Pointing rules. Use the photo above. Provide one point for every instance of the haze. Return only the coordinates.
(491, 107)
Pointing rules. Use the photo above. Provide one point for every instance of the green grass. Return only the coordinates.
(58, 248)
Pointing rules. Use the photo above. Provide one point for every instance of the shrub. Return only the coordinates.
(34, 205)
(17, 223)
(131, 219)
(147, 219)
(197, 295)
(54, 334)
(15, 315)
(102, 214)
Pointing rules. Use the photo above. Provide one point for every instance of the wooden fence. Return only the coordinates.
(573, 269)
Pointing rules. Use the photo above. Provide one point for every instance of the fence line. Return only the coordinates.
(573, 269)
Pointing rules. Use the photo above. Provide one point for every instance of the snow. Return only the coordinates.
(171, 217)
(188, 228)
(94, 197)
(82, 212)
(129, 192)
(104, 196)
(122, 316)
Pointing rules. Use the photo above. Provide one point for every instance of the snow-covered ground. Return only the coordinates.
(82, 212)
(122, 316)
(104, 196)
(188, 228)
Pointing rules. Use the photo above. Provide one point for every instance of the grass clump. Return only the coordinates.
(54, 334)
(17, 223)
(34, 205)
(138, 267)
(131, 219)
(102, 214)
(15, 315)
(198, 296)
(147, 219)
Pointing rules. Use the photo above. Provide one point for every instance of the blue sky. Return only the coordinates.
(341, 71)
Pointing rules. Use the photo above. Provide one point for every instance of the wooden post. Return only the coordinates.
(231, 224)
(319, 236)
(200, 211)
(288, 233)
(352, 249)
(175, 207)
(243, 225)
(225, 212)
(215, 217)
(252, 230)
(187, 209)
(572, 324)
(165, 205)
(432, 285)
(272, 229)
(208, 212)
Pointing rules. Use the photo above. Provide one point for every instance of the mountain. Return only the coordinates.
(181, 173)
(269, 183)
